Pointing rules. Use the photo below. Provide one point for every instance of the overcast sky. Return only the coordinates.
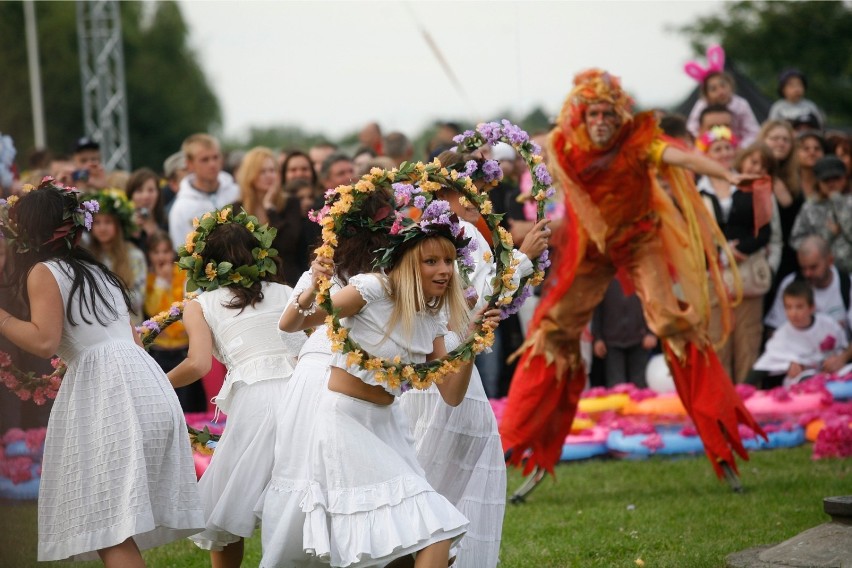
(330, 67)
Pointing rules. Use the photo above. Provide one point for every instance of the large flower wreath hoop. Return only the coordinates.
(413, 185)
(491, 133)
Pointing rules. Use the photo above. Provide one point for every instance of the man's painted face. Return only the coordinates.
(602, 123)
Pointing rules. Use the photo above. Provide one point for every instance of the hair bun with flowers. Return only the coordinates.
(77, 216)
(214, 274)
(114, 201)
(715, 134)
(715, 64)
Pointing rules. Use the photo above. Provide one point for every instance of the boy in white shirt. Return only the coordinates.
(799, 346)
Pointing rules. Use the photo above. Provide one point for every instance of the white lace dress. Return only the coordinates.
(117, 461)
(260, 362)
(367, 500)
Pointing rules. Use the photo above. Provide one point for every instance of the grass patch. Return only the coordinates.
(599, 513)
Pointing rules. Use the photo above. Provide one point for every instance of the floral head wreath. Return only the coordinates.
(214, 274)
(594, 86)
(715, 64)
(115, 202)
(715, 134)
(436, 220)
(73, 219)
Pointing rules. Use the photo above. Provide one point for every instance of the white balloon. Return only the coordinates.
(657, 375)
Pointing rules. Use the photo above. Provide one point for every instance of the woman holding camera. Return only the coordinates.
(143, 189)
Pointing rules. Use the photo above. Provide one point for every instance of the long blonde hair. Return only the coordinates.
(788, 168)
(406, 288)
(249, 170)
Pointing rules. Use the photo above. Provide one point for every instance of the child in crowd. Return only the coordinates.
(793, 106)
(117, 475)
(165, 285)
(801, 344)
(235, 319)
(621, 337)
(111, 230)
(717, 87)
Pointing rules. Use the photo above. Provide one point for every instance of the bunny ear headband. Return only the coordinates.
(715, 64)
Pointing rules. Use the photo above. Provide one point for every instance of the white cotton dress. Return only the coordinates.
(460, 447)
(260, 362)
(280, 506)
(117, 461)
(367, 499)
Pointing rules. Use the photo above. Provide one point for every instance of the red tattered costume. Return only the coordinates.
(619, 222)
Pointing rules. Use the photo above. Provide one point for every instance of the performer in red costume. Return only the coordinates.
(665, 248)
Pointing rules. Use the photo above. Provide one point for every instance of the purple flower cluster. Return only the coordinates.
(149, 324)
(491, 132)
(543, 261)
(536, 149)
(87, 208)
(174, 311)
(466, 252)
(469, 169)
(420, 202)
(470, 294)
(437, 212)
(491, 171)
(458, 139)
(514, 133)
(516, 304)
(542, 175)
(403, 193)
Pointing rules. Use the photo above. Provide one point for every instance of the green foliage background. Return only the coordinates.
(763, 38)
(168, 96)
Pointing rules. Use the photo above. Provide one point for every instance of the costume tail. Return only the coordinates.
(541, 407)
(711, 401)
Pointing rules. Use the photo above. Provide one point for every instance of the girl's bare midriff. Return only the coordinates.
(350, 385)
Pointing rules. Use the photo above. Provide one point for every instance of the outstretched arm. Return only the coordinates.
(702, 165)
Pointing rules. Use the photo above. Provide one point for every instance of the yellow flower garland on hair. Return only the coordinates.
(212, 275)
(422, 180)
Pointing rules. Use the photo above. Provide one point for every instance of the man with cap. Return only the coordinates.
(829, 213)
(620, 222)
(89, 174)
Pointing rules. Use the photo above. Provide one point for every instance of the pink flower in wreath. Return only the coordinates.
(828, 344)
(5, 359)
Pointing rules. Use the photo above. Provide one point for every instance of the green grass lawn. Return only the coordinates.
(599, 513)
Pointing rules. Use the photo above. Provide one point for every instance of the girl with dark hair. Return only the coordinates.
(117, 473)
(235, 320)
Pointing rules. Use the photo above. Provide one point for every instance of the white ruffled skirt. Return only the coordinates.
(283, 521)
(241, 466)
(460, 449)
(368, 501)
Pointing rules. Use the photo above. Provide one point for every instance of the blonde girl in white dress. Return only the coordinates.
(368, 501)
(117, 475)
(236, 320)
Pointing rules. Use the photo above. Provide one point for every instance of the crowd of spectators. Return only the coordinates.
(147, 213)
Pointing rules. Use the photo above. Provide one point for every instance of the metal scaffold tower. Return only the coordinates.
(102, 75)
